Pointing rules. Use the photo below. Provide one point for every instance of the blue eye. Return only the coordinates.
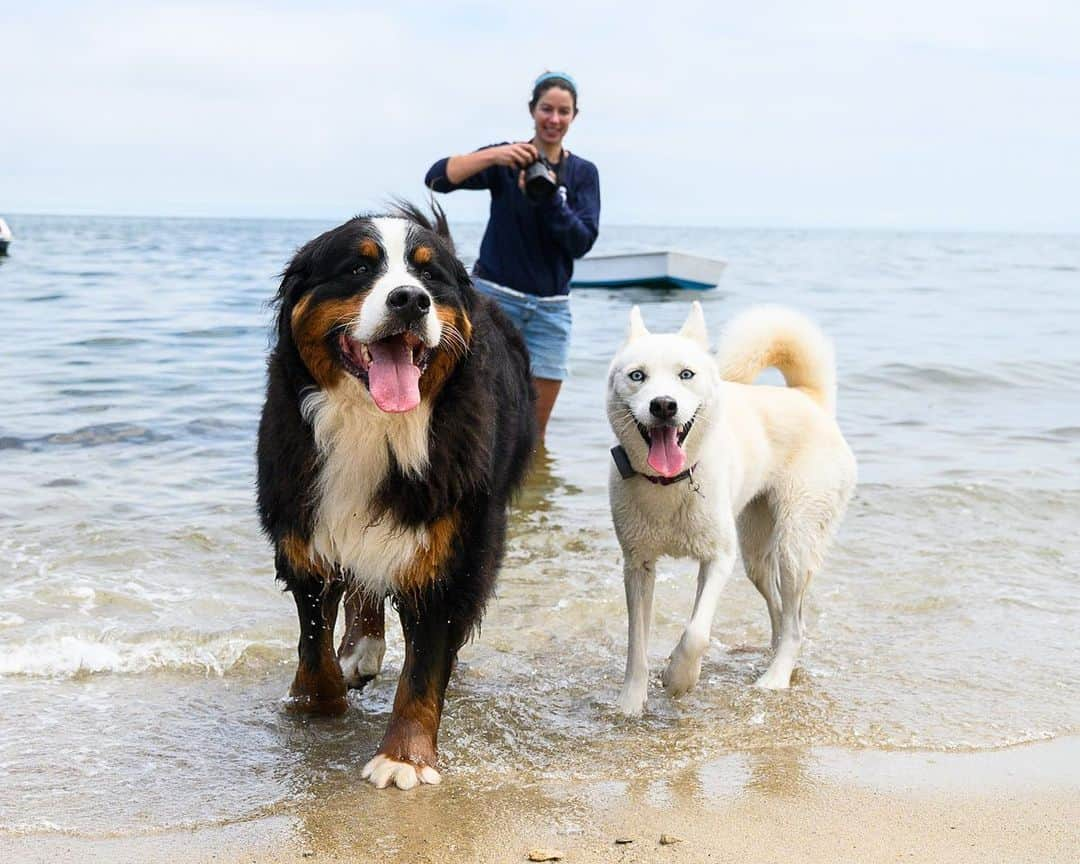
(637, 375)
(686, 374)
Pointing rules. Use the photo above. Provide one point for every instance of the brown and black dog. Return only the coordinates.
(398, 422)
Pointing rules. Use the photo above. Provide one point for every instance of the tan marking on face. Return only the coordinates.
(423, 255)
(458, 319)
(369, 248)
(449, 352)
(428, 561)
(311, 325)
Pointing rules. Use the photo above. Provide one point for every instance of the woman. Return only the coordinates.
(531, 240)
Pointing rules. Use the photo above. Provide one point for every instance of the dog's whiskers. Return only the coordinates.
(349, 319)
(455, 342)
(624, 423)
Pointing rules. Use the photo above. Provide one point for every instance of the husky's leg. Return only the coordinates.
(757, 541)
(802, 538)
(765, 574)
(793, 582)
(639, 579)
(684, 665)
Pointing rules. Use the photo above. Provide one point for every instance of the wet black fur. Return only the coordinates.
(482, 431)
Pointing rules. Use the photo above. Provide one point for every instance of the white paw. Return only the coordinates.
(684, 666)
(382, 771)
(774, 679)
(362, 661)
(681, 674)
(631, 701)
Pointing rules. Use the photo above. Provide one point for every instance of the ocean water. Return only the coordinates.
(145, 648)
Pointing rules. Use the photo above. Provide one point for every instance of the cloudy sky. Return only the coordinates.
(949, 114)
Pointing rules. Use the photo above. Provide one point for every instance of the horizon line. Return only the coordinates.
(694, 225)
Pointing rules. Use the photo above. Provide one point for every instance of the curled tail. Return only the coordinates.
(774, 336)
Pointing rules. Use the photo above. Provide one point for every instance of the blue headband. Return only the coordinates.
(547, 76)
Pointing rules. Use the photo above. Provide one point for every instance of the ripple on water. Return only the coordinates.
(106, 433)
(109, 342)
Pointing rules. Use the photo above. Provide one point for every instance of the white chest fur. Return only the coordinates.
(681, 520)
(354, 439)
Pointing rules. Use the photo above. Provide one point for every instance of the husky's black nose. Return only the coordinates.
(408, 303)
(663, 407)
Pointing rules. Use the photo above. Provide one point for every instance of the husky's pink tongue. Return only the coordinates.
(393, 380)
(665, 455)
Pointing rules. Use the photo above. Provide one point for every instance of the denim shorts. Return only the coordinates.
(543, 321)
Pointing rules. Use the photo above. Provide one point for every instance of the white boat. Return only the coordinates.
(664, 269)
(5, 236)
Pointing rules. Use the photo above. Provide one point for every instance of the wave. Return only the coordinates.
(907, 376)
(80, 656)
(109, 342)
(104, 433)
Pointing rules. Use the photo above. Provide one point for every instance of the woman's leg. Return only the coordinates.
(547, 391)
(545, 328)
(547, 333)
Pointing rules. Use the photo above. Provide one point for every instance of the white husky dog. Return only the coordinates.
(706, 461)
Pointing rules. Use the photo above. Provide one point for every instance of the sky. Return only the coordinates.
(926, 114)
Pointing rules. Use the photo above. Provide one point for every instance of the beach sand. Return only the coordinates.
(825, 805)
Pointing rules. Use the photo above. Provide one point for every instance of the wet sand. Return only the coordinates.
(786, 805)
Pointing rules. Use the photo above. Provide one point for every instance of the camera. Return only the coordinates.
(538, 182)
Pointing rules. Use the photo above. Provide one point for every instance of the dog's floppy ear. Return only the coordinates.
(637, 326)
(694, 327)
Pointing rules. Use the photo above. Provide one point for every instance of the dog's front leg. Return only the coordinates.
(408, 753)
(318, 687)
(684, 665)
(639, 578)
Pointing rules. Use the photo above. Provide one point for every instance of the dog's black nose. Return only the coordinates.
(409, 303)
(663, 407)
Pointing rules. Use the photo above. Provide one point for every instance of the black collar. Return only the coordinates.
(626, 470)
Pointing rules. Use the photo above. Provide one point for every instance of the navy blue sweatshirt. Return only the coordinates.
(529, 246)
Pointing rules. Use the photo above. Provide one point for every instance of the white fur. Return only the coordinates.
(394, 234)
(363, 659)
(354, 439)
(749, 335)
(772, 475)
(382, 771)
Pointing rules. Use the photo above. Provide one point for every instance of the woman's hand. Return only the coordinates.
(514, 155)
(461, 168)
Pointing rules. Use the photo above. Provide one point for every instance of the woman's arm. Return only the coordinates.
(575, 229)
(468, 171)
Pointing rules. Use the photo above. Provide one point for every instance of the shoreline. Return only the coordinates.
(822, 804)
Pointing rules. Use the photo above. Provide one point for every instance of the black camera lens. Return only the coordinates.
(538, 183)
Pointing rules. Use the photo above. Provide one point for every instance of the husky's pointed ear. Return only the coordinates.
(637, 326)
(694, 327)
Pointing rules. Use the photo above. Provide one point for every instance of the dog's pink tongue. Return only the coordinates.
(393, 380)
(665, 454)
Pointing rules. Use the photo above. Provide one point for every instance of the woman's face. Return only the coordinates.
(553, 114)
